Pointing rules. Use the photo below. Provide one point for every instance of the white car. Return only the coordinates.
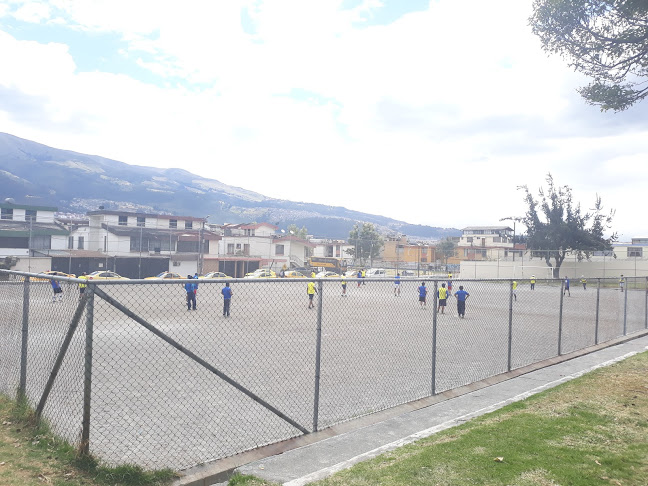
(376, 272)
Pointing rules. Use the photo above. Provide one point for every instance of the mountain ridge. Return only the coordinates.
(33, 173)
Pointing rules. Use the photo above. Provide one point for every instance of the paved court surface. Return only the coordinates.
(154, 406)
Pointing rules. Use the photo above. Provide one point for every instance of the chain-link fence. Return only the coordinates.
(130, 372)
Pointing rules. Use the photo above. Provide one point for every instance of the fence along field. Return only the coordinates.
(196, 386)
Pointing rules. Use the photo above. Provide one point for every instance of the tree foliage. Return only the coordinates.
(556, 227)
(606, 40)
(299, 233)
(446, 248)
(366, 241)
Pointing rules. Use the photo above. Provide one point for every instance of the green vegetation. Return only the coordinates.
(558, 228)
(593, 430)
(366, 242)
(606, 41)
(32, 455)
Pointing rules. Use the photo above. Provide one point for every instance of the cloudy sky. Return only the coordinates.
(431, 112)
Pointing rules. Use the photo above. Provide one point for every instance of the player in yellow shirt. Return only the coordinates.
(311, 291)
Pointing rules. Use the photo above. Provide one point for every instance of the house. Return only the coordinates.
(249, 246)
(140, 245)
(399, 250)
(487, 243)
(28, 233)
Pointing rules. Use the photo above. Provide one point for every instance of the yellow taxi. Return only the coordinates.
(165, 276)
(105, 275)
(52, 273)
(261, 273)
(215, 275)
(294, 274)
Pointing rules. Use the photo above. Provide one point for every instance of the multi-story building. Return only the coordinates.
(28, 233)
(399, 250)
(487, 242)
(247, 247)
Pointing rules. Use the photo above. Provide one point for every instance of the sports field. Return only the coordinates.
(154, 406)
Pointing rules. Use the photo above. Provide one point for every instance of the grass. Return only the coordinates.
(32, 455)
(590, 431)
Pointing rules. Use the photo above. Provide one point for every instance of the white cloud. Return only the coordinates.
(440, 109)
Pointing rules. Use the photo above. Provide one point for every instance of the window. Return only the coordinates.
(497, 239)
(6, 213)
(635, 252)
(469, 239)
(188, 224)
(279, 249)
(70, 242)
(30, 215)
(230, 248)
(141, 221)
(249, 232)
(80, 243)
(173, 223)
(123, 220)
(246, 249)
(41, 242)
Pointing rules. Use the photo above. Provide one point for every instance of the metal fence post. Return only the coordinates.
(646, 306)
(84, 447)
(318, 353)
(560, 319)
(22, 387)
(434, 336)
(625, 306)
(510, 334)
(598, 302)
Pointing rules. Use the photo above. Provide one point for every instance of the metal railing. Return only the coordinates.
(131, 373)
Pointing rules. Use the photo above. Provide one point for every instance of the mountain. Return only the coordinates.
(32, 173)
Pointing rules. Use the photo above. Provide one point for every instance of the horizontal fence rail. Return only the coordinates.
(152, 373)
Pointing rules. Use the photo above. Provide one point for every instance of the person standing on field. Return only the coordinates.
(584, 282)
(311, 291)
(566, 291)
(397, 284)
(533, 280)
(514, 290)
(58, 291)
(442, 294)
(462, 296)
(344, 285)
(621, 282)
(422, 295)
(83, 285)
(227, 299)
(191, 294)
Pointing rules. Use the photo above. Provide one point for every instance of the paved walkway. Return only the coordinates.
(320, 459)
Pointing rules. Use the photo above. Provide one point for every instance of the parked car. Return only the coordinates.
(214, 275)
(52, 272)
(408, 273)
(294, 274)
(327, 275)
(376, 272)
(165, 276)
(105, 275)
(261, 273)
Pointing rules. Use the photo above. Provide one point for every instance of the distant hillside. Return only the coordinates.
(33, 173)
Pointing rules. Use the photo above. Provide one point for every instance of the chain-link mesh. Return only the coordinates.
(171, 386)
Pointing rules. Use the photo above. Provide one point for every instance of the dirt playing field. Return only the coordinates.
(154, 406)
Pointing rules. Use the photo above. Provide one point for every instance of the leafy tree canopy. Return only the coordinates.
(299, 233)
(446, 248)
(366, 241)
(555, 225)
(606, 40)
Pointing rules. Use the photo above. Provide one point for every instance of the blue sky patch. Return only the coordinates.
(389, 12)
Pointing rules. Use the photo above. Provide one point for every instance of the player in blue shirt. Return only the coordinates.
(227, 299)
(566, 291)
(190, 288)
(422, 294)
(397, 284)
(461, 296)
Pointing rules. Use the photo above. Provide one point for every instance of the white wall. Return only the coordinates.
(524, 269)
(34, 264)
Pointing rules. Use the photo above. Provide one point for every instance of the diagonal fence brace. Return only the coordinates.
(59, 359)
(197, 359)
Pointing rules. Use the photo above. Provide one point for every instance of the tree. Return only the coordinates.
(605, 40)
(299, 233)
(446, 249)
(556, 227)
(366, 242)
